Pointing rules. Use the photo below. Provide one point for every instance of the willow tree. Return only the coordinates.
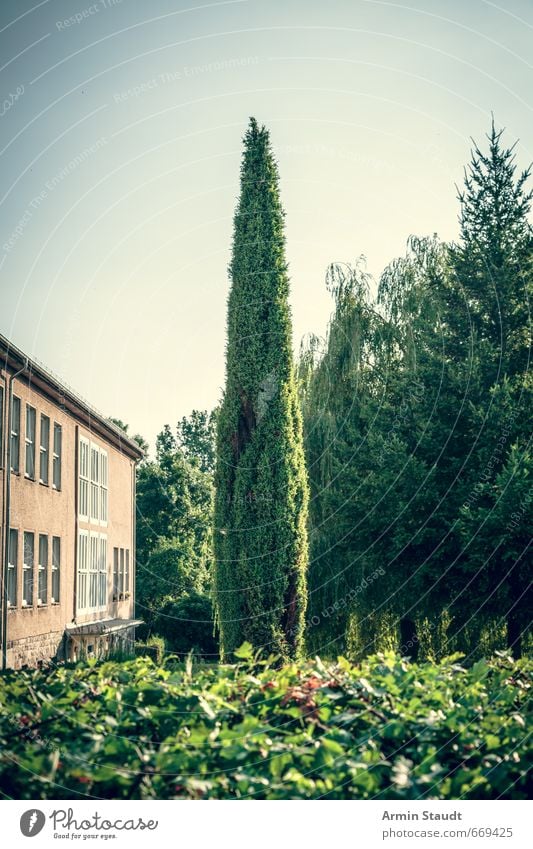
(261, 488)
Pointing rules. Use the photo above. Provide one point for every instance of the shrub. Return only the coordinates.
(187, 625)
(154, 648)
(385, 729)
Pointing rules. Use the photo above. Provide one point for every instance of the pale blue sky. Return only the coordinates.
(120, 140)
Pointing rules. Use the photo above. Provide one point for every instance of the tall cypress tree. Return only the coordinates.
(261, 487)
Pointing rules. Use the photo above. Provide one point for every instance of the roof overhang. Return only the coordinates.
(102, 627)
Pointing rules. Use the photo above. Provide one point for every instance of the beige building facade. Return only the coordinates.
(67, 508)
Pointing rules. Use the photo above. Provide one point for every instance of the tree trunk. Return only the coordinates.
(514, 634)
(409, 642)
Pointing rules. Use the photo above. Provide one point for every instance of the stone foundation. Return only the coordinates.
(32, 651)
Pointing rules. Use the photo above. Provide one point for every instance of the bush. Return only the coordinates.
(154, 648)
(187, 625)
(385, 729)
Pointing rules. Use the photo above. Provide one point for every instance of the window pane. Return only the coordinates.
(115, 571)
(121, 573)
(12, 567)
(1, 426)
(27, 588)
(56, 568)
(57, 456)
(15, 435)
(127, 570)
(43, 568)
(102, 583)
(45, 449)
(30, 441)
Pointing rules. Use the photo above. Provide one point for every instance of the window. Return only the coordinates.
(121, 573)
(1, 426)
(115, 574)
(44, 449)
(103, 487)
(27, 570)
(83, 486)
(56, 569)
(83, 570)
(127, 578)
(56, 463)
(15, 435)
(95, 457)
(30, 442)
(102, 572)
(12, 567)
(92, 571)
(43, 569)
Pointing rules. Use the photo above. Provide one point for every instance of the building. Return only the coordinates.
(67, 520)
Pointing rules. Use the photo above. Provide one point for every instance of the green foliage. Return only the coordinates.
(154, 648)
(261, 488)
(187, 624)
(386, 729)
(416, 435)
(174, 536)
(196, 438)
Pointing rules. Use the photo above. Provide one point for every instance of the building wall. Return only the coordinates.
(36, 632)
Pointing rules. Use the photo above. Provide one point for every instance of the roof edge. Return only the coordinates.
(11, 356)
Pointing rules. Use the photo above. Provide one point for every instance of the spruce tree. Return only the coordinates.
(261, 500)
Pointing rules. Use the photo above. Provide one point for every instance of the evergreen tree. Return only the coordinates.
(492, 291)
(261, 500)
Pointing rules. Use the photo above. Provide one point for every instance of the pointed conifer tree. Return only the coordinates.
(260, 533)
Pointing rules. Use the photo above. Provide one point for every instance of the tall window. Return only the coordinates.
(95, 493)
(1, 426)
(27, 569)
(127, 576)
(30, 442)
(83, 570)
(121, 573)
(93, 571)
(44, 449)
(12, 567)
(56, 569)
(83, 487)
(56, 470)
(103, 487)
(15, 435)
(102, 572)
(43, 569)
(115, 574)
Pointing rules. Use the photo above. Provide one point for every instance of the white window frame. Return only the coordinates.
(44, 452)
(91, 572)
(83, 478)
(42, 568)
(28, 568)
(94, 488)
(29, 440)
(127, 590)
(56, 570)
(102, 572)
(12, 566)
(15, 434)
(56, 456)
(82, 576)
(104, 487)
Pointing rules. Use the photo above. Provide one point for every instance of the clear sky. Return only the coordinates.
(120, 142)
